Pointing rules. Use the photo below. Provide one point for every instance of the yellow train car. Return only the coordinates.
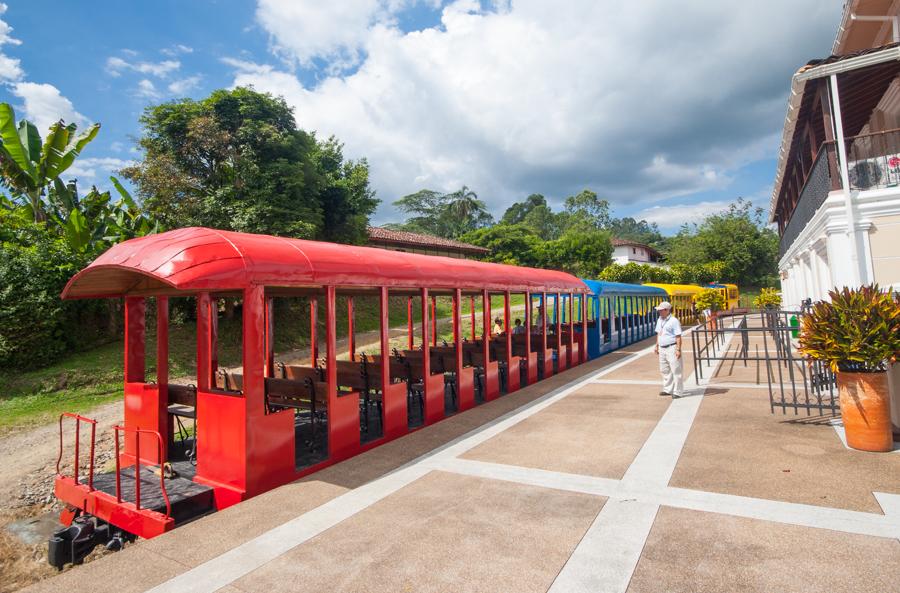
(730, 292)
(682, 298)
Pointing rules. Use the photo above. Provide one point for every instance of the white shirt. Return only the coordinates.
(667, 329)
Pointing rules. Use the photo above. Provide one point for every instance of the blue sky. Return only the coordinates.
(669, 110)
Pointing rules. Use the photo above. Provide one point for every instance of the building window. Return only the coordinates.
(633, 250)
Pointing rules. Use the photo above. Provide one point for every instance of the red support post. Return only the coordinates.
(465, 376)
(513, 379)
(351, 339)
(472, 311)
(409, 322)
(434, 390)
(343, 410)
(270, 336)
(573, 354)
(313, 326)
(393, 394)
(162, 425)
(205, 345)
(530, 362)
(491, 368)
(547, 358)
(584, 327)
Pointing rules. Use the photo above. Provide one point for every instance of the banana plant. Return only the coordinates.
(28, 165)
(94, 222)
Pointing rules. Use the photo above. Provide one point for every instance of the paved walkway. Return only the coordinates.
(586, 482)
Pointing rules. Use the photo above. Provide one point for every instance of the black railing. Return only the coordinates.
(815, 190)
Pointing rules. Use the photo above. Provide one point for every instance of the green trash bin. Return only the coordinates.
(795, 324)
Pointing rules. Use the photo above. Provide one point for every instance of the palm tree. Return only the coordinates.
(466, 211)
(28, 165)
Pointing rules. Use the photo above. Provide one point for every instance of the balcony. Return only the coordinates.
(874, 163)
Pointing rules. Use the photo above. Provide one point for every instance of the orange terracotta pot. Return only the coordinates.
(866, 411)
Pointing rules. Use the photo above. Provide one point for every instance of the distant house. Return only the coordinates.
(425, 244)
(625, 251)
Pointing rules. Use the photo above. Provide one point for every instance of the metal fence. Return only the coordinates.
(768, 340)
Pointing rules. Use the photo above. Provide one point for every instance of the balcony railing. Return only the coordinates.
(815, 190)
(874, 160)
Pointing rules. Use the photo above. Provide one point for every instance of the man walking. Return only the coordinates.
(668, 347)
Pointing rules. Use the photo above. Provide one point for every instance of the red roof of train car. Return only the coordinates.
(202, 259)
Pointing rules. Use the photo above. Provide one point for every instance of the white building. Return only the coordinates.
(625, 251)
(836, 197)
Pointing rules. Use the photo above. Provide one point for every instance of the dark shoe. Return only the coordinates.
(664, 393)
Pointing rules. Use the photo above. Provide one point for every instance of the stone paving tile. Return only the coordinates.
(690, 551)
(132, 570)
(596, 431)
(736, 446)
(441, 533)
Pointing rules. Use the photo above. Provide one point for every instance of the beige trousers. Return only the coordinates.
(672, 369)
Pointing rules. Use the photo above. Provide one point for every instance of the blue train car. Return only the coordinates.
(619, 314)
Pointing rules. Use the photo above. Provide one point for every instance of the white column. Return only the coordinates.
(838, 247)
(856, 273)
(815, 282)
(821, 258)
(807, 276)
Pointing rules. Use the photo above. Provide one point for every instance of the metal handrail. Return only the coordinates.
(78, 419)
(137, 466)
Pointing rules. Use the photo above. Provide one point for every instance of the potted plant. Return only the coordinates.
(858, 335)
(710, 301)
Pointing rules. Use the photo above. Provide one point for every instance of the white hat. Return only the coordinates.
(664, 305)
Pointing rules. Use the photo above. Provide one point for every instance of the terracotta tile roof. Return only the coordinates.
(383, 235)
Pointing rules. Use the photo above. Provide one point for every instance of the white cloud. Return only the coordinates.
(671, 217)
(44, 105)
(301, 31)
(185, 85)
(10, 68)
(91, 170)
(115, 66)
(147, 90)
(176, 49)
(637, 102)
(116, 147)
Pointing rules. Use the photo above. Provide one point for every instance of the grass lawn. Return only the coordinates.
(85, 380)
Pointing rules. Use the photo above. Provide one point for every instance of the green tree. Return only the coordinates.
(738, 238)
(347, 199)
(448, 215)
(544, 222)
(237, 161)
(586, 210)
(514, 244)
(583, 253)
(516, 213)
(28, 165)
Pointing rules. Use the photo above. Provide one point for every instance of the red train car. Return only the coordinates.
(269, 422)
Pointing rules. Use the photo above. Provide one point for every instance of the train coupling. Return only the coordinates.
(72, 544)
